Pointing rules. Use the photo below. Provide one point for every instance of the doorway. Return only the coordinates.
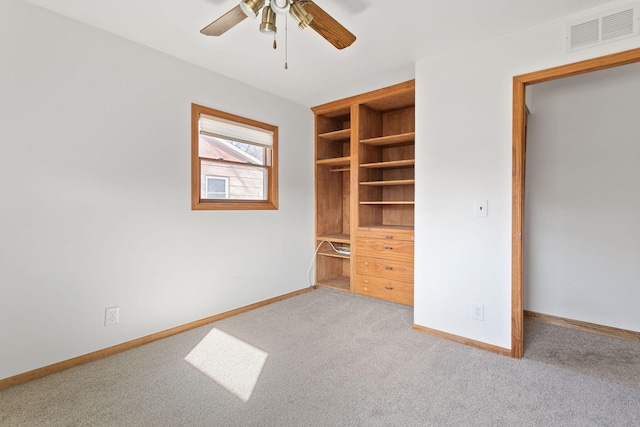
(518, 171)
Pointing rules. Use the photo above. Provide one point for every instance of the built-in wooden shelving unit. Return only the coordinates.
(365, 188)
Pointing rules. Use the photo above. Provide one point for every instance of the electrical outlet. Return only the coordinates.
(477, 312)
(111, 316)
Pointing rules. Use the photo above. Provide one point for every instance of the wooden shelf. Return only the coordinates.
(331, 253)
(382, 202)
(389, 165)
(337, 135)
(335, 238)
(390, 182)
(335, 161)
(400, 139)
(386, 227)
(341, 283)
(340, 169)
(401, 99)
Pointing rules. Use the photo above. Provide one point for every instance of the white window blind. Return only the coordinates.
(234, 131)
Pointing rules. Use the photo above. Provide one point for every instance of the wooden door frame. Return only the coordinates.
(518, 171)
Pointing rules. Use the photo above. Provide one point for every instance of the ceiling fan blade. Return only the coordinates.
(327, 27)
(225, 22)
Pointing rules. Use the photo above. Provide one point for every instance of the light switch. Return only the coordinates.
(481, 208)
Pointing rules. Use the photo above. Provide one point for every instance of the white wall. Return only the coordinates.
(581, 214)
(95, 194)
(463, 152)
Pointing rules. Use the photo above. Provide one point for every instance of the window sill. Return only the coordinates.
(234, 205)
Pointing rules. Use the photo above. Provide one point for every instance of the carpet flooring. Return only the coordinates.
(336, 359)
(598, 356)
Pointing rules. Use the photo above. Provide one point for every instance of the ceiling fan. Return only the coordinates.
(304, 12)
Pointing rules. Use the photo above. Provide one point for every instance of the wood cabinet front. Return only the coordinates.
(388, 269)
(384, 264)
(387, 233)
(398, 250)
(390, 290)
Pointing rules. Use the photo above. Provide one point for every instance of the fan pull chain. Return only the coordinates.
(286, 42)
(275, 45)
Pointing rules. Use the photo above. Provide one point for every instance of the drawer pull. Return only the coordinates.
(389, 288)
(388, 237)
(388, 248)
(388, 268)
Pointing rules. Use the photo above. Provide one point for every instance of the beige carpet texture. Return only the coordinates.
(327, 358)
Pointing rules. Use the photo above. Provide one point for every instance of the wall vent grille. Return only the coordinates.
(607, 27)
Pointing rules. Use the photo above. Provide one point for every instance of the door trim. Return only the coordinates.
(518, 171)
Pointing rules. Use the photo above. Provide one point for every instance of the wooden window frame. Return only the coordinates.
(271, 190)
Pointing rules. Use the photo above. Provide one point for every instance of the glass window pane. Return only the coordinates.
(245, 182)
(232, 151)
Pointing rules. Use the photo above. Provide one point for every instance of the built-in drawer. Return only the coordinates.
(386, 234)
(390, 290)
(387, 269)
(387, 249)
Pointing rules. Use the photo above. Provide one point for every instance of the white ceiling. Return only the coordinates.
(391, 35)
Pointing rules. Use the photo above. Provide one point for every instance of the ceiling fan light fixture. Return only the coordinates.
(251, 7)
(268, 24)
(302, 17)
(281, 7)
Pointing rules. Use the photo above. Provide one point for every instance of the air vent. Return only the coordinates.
(585, 34)
(604, 28)
(617, 25)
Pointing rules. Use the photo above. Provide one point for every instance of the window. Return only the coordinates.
(234, 161)
(217, 187)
